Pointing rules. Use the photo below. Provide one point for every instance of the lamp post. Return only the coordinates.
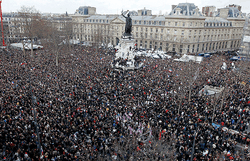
(2, 21)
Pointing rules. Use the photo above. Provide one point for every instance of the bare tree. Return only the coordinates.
(29, 17)
(67, 30)
(97, 37)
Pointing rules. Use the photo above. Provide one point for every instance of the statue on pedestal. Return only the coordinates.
(128, 27)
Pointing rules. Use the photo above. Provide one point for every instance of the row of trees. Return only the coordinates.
(30, 24)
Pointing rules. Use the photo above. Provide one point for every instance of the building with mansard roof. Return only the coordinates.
(245, 43)
(184, 30)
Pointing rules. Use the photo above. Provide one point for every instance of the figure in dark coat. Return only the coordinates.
(128, 27)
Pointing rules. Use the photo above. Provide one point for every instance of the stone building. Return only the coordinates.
(184, 30)
(14, 24)
(245, 44)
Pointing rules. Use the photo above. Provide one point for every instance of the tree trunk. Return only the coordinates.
(23, 49)
(69, 44)
(32, 52)
(57, 55)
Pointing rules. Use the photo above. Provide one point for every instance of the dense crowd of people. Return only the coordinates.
(83, 109)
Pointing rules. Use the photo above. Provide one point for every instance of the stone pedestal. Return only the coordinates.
(125, 56)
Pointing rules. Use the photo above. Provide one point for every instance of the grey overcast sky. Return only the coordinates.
(114, 6)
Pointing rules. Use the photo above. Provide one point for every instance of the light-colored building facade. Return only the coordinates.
(245, 44)
(184, 30)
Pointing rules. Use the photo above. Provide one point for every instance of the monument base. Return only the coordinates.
(125, 56)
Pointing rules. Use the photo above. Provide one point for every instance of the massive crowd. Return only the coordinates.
(84, 110)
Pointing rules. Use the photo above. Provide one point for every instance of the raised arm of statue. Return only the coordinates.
(123, 14)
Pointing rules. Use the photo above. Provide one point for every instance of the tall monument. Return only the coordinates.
(125, 56)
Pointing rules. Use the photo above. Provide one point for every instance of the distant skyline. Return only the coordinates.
(113, 6)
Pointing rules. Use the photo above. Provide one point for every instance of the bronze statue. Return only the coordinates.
(128, 27)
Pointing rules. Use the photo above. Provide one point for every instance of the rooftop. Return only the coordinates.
(186, 9)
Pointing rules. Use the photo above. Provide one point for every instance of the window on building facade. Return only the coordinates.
(159, 22)
(161, 37)
(181, 46)
(150, 44)
(146, 35)
(168, 23)
(160, 46)
(156, 45)
(136, 28)
(175, 38)
(146, 29)
(144, 22)
(168, 31)
(183, 24)
(176, 23)
(146, 45)
(156, 30)
(151, 29)
(139, 22)
(188, 48)
(166, 46)
(182, 32)
(161, 30)
(175, 31)
(149, 22)
(173, 47)
(135, 22)
(156, 36)
(190, 23)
